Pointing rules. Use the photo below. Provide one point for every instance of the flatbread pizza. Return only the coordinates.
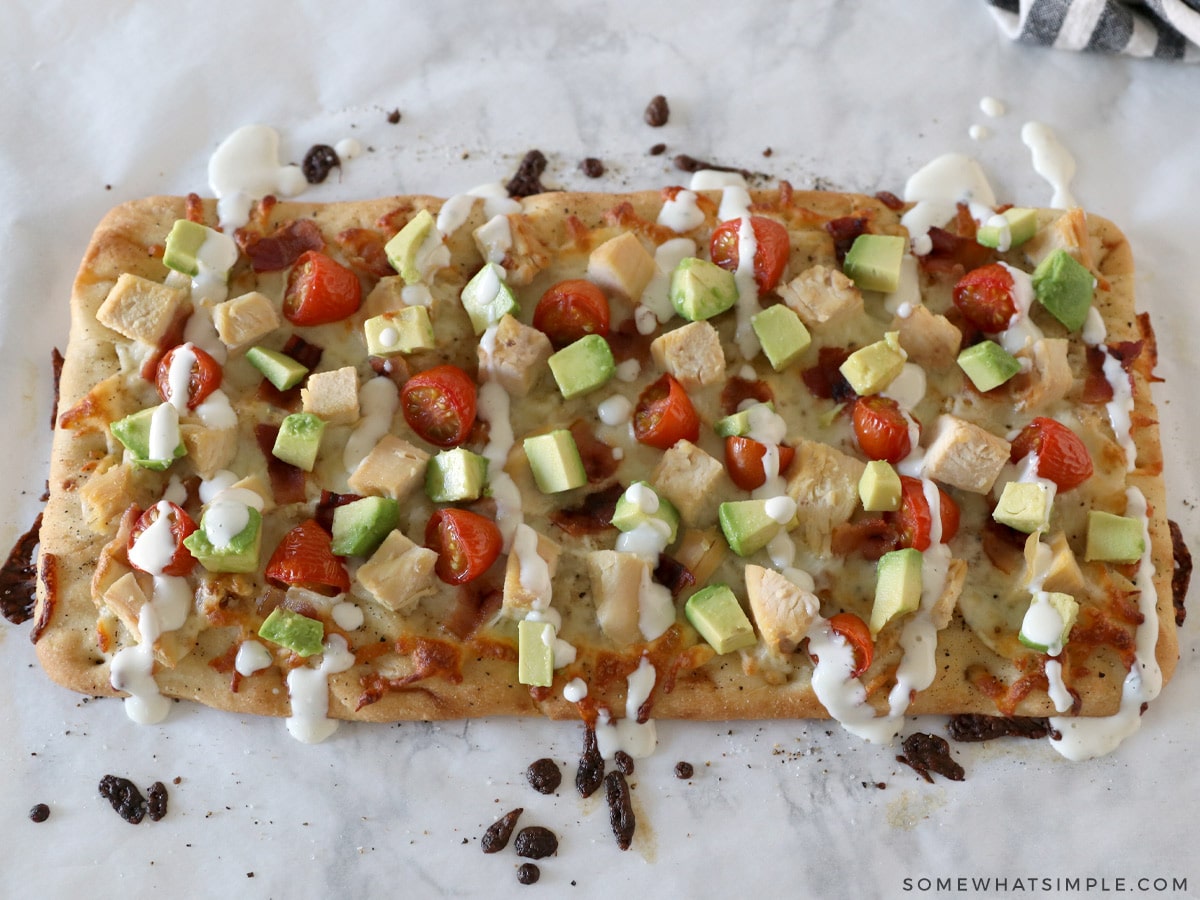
(705, 452)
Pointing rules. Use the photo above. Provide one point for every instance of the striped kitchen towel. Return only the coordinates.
(1163, 29)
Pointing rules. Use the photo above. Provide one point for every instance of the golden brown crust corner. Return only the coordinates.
(719, 690)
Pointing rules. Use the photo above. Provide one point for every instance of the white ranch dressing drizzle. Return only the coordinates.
(132, 671)
(615, 411)
(216, 412)
(225, 519)
(992, 107)
(179, 376)
(655, 299)
(494, 407)
(495, 236)
(638, 739)
(457, 209)
(1057, 689)
(245, 168)
(416, 295)
(575, 690)
(215, 257)
(378, 401)
(164, 432)
(908, 388)
(347, 148)
(1052, 161)
(680, 213)
(1021, 332)
(347, 616)
(308, 689)
(251, 657)
(937, 188)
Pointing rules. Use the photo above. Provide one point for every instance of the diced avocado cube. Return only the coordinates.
(1114, 538)
(535, 653)
(1048, 622)
(299, 439)
(873, 261)
(739, 423)
(133, 432)
(782, 335)
(300, 634)
(487, 298)
(701, 289)
(897, 586)
(1024, 506)
(1064, 286)
(879, 487)
(239, 554)
(988, 365)
(454, 475)
(639, 504)
(402, 331)
(403, 249)
(555, 461)
(746, 525)
(872, 368)
(183, 243)
(714, 611)
(361, 526)
(1009, 229)
(278, 368)
(582, 366)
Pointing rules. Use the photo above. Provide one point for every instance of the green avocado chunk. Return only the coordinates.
(1113, 538)
(873, 261)
(1064, 286)
(300, 634)
(1048, 621)
(988, 365)
(402, 331)
(1008, 229)
(714, 611)
(738, 424)
(746, 525)
(1024, 506)
(535, 653)
(403, 249)
(629, 514)
(487, 298)
(897, 586)
(360, 527)
(583, 366)
(455, 475)
(278, 368)
(183, 243)
(782, 335)
(133, 432)
(239, 555)
(299, 439)
(879, 487)
(701, 289)
(555, 461)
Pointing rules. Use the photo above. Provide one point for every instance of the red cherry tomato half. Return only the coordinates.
(570, 310)
(881, 428)
(744, 460)
(856, 633)
(771, 250)
(664, 415)
(181, 525)
(914, 519)
(304, 558)
(205, 375)
(1062, 456)
(985, 298)
(320, 290)
(466, 544)
(439, 405)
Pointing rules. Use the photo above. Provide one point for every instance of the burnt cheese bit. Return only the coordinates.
(318, 162)
(544, 776)
(592, 167)
(527, 181)
(973, 727)
(657, 112)
(591, 765)
(928, 753)
(620, 809)
(535, 842)
(18, 577)
(496, 837)
(624, 762)
(39, 813)
(156, 806)
(125, 798)
(684, 770)
(528, 873)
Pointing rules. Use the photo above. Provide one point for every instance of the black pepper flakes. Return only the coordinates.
(535, 842)
(496, 837)
(684, 770)
(657, 112)
(528, 873)
(544, 776)
(125, 798)
(318, 161)
(592, 167)
(624, 762)
(39, 813)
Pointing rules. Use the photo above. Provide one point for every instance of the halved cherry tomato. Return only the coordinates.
(664, 414)
(881, 428)
(1062, 455)
(985, 298)
(205, 376)
(304, 558)
(771, 250)
(914, 519)
(466, 544)
(744, 460)
(181, 525)
(439, 404)
(570, 310)
(320, 290)
(858, 636)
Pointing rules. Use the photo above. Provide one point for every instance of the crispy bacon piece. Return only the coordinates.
(844, 230)
(1096, 388)
(477, 603)
(287, 481)
(890, 200)
(364, 251)
(954, 254)
(328, 503)
(870, 538)
(1004, 546)
(592, 516)
(597, 456)
(225, 664)
(625, 216)
(193, 209)
(626, 343)
(282, 247)
(738, 390)
(430, 658)
(824, 380)
(308, 355)
(673, 575)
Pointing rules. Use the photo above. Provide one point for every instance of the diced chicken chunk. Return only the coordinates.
(386, 296)
(782, 610)
(209, 449)
(493, 239)
(518, 357)
(126, 597)
(140, 309)
(105, 496)
(399, 573)
(393, 468)
(821, 295)
(622, 265)
(527, 256)
(1050, 377)
(616, 585)
(1062, 572)
(692, 354)
(824, 484)
(243, 320)
(965, 456)
(690, 478)
(1068, 232)
(519, 596)
(332, 395)
(930, 340)
(942, 609)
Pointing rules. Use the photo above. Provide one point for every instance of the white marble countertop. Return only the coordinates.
(103, 103)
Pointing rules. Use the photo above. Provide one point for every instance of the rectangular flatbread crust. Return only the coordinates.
(454, 654)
